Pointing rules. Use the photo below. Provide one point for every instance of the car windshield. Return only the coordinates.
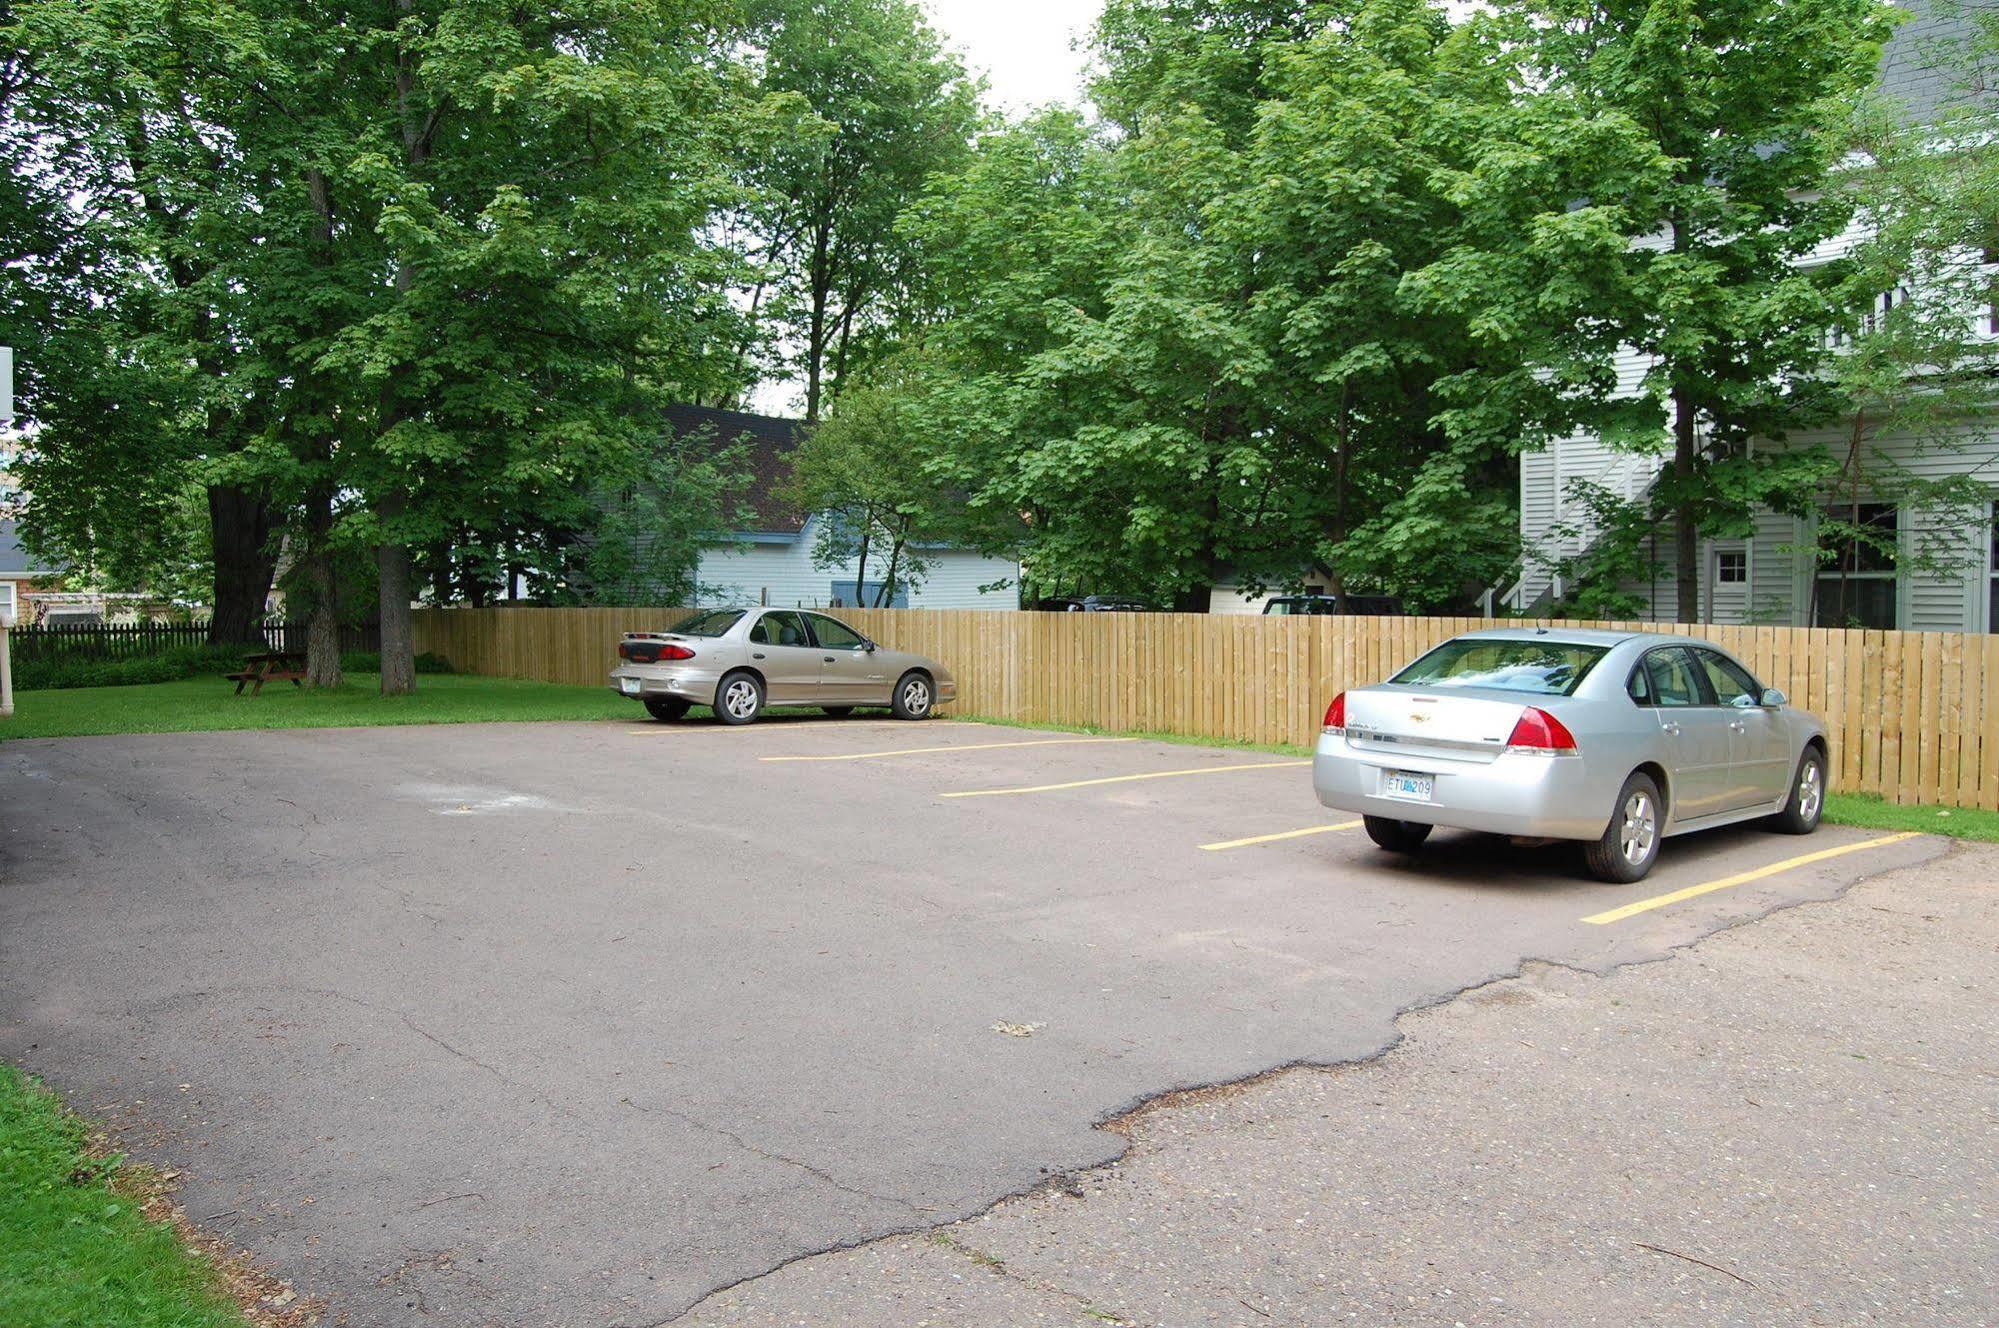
(1549, 668)
(711, 622)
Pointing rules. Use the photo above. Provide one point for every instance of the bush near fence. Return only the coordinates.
(1912, 716)
(105, 655)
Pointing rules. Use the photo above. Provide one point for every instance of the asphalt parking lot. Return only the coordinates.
(577, 1024)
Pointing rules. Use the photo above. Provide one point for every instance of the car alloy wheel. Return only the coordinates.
(1801, 811)
(1640, 828)
(912, 698)
(740, 699)
(1629, 844)
(1811, 791)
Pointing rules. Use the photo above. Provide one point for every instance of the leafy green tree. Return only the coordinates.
(142, 379)
(1248, 332)
(646, 546)
(866, 470)
(882, 107)
(1750, 105)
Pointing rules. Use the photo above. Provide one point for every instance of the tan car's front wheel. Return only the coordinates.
(913, 696)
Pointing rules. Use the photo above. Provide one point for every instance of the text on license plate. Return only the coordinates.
(631, 686)
(1402, 784)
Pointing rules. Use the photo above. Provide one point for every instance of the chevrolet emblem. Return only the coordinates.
(1418, 717)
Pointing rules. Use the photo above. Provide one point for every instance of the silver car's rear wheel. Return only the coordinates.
(912, 697)
(1801, 814)
(1630, 843)
(739, 698)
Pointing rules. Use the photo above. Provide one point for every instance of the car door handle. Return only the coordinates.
(1673, 729)
(756, 654)
(825, 659)
(1738, 725)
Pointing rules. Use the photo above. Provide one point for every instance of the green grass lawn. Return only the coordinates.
(74, 1249)
(204, 703)
(1875, 813)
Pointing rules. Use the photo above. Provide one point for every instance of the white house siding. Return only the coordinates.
(784, 574)
(1228, 599)
(1916, 73)
(1547, 477)
(1781, 567)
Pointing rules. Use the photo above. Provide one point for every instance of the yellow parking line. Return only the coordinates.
(957, 747)
(1284, 834)
(1125, 779)
(1742, 878)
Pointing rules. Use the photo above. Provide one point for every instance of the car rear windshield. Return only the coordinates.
(713, 622)
(1548, 668)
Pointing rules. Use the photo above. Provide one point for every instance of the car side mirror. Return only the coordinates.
(1773, 698)
(867, 646)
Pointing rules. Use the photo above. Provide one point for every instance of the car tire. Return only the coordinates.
(1396, 836)
(739, 697)
(1630, 843)
(1801, 814)
(914, 694)
(665, 709)
(837, 712)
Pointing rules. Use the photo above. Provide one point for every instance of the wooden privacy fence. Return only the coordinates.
(1913, 716)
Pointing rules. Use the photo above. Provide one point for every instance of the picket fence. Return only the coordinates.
(1913, 716)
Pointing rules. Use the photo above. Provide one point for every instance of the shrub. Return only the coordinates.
(370, 661)
(162, 666)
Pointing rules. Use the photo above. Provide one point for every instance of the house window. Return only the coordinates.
(1992, 573)
(1731, 567)
(1856, 579)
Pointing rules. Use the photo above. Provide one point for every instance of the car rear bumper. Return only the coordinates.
(693, 685)
(1537, 797)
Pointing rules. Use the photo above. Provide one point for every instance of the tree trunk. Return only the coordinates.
(392, 570)
(861, 565)
(240, 525)
(886, 598)
(815, 335)
(1686, 518)
(322, 626)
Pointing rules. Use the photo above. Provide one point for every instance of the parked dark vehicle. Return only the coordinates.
(1350, 605)
(1091, 604)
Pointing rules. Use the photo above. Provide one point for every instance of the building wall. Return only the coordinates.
(784, 574)
(1781, 566)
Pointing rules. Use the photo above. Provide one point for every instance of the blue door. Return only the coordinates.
(843, 593)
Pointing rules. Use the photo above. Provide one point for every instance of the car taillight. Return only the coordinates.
(675, 652)
(624, 651)
(1336, 714)
(1540, 732)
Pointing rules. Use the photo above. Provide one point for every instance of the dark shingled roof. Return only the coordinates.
(770, 441)
(1919, 68)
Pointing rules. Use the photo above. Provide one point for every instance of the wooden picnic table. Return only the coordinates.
(269, 666)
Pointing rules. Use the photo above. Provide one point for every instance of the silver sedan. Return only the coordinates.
(742, 660)
(1615, 739)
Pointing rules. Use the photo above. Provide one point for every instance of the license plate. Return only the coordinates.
(631, 686)
(1402, 784)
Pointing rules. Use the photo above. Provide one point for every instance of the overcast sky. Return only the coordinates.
(1022, 46)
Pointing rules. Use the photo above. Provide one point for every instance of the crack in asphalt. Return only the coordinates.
(1120, 1120)
(779, 1158)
